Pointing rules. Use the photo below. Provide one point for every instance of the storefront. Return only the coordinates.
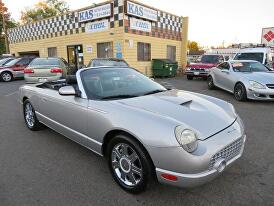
(122, 29)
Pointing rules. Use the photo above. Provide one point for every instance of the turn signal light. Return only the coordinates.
(56, 70)
(169, 177)
(28, 71)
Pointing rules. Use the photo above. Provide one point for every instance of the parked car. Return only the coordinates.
(14, 69)
(3, 56)
(244, 78)
(46, 69)
(260, 54)
(108, 62)
(5, 61)
(203, 65)
(183, 138)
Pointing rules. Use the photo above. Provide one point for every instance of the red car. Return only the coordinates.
(14, 69)
(204, 64)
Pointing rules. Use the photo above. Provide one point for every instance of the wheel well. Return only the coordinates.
(24, 99)
(113, 133)
(237, 84)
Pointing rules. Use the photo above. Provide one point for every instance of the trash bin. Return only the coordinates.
(164, 68)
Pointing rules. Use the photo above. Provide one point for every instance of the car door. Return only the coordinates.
(228, 79)
(65, 114)
(218, 75)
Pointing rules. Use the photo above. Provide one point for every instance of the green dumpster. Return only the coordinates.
(164, 68)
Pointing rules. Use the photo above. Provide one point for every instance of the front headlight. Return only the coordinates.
(186, 138)
(256, 85)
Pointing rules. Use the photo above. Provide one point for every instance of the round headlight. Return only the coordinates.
(186, 138)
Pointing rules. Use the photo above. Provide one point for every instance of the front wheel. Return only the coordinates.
(240, 92)
(30, 116)
(129, 165)
(210, 83)
(6, 76)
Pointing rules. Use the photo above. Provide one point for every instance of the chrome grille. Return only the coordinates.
(227, 153)
(270, 86)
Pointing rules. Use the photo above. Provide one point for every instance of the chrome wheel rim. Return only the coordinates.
(238, 92)
(126, 164)
(29, 115)
(6, 77)
(210, 82)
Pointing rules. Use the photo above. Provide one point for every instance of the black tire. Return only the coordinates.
(210, 83)
(189, 77)
(240, 92)
(35, 125)
(143, 163)
(6, 76)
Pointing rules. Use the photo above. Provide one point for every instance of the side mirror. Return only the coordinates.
(67, 91)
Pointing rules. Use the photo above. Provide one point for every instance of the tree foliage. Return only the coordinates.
(193, 46)
(10, 23)
(44, 9)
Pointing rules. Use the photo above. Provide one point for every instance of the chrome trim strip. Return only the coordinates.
(78, 133)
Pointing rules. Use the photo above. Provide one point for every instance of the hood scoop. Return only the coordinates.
(186, 103)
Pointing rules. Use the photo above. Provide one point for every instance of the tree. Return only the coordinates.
(44, 9)
(8, 22)
(193, 46)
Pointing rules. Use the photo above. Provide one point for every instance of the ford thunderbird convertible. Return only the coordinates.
(143, 130)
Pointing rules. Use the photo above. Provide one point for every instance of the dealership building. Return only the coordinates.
(122, 29)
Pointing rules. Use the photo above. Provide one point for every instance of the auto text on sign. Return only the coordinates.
(97, 26)
(141, 11)
(140, 25)
(95, 13)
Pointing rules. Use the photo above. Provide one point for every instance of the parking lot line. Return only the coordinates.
(10, 94)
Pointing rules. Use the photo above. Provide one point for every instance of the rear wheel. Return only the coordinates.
(240, 92)
(189, 77)
(6, 76)
(210, 83)
(30, 117)
(129, 165)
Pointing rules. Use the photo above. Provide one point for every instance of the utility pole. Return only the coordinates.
(3, 10)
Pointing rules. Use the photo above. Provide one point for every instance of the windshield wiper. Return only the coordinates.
(121, 96)
(154, 92)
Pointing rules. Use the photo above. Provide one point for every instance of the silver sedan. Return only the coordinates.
(144, 130)
(245, 79)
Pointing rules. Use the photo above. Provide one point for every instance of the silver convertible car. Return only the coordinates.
(144, 130)
(246, 79)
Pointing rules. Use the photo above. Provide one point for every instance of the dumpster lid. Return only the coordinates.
(165, 61)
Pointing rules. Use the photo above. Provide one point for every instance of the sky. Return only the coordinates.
(211, 22)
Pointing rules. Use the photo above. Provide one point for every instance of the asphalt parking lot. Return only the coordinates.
(45, 168)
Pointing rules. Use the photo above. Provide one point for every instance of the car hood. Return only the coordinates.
(202, 65)
(261, 77)
(193, 111)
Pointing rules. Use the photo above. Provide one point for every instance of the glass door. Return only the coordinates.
(75, 57)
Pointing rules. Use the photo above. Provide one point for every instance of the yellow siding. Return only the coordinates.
(158, 50)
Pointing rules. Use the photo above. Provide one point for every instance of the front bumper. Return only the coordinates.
(202, 166)
(193, 180)
(260, 94)
(197, 73)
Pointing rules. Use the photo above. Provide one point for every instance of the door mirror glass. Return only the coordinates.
(67, 91)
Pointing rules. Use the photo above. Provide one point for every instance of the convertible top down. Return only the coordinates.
(143, 130)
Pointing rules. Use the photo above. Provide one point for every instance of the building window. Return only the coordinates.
(144, 52)
(105, 50)
(52, 52)
(171, 53)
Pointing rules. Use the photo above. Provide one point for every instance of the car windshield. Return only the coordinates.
(118, 83)
(13, 62)
(111, 63)
(212, 59)
(45, 62)
(249, 67)
(250, 56)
